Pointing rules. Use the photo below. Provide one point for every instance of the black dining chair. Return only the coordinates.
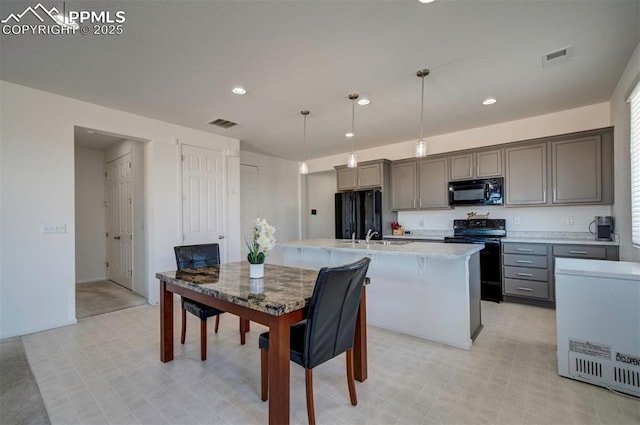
(191, 257)
(328, 330)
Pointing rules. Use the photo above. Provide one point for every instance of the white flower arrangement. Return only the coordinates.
(262, 242)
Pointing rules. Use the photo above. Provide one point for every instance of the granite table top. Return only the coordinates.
(281, 291)
(436, 250)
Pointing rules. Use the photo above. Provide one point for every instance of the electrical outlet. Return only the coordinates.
(516, 221)
(53, 228)
(570, 220)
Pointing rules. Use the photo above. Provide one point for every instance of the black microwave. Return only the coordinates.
(477, 192)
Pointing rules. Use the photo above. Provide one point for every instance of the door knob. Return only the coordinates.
(220, 236)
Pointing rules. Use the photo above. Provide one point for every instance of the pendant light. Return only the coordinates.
(304, 169)
(352, 159)
(421, 145)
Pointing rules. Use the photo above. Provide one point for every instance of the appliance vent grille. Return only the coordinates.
(627, 377)
(589, 367)
(223, 123)
(557, 56)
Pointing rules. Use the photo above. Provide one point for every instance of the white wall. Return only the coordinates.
(621, 136)
(578, 119)
(37, 163)
(319, 190)
(279, 190)
(90, 215)
(555, 218)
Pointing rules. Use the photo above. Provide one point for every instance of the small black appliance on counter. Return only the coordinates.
(604, 227)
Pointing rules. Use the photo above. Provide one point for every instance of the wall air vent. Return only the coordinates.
(223, 123)
(557, 56)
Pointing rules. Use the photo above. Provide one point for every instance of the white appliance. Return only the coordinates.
(598, 322)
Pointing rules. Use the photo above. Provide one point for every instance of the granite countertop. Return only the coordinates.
(437, 250)
(568, 238)
(282, 290)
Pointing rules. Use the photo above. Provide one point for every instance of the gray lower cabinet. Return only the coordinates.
(526, 271)
(529, 268)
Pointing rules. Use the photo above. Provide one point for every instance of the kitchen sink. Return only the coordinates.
(379, 242)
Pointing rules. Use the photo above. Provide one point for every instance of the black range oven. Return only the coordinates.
(488, 232)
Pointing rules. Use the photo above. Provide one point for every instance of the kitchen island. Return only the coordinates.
(428, 290)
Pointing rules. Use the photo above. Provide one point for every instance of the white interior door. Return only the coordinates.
(202, 197)
(249, 202)
(119, 229)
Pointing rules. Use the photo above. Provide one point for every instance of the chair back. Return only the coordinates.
(331, 321)
(194, 256)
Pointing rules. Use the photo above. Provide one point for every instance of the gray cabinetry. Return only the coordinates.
(480, 164)
(366, 175)
(527, 271)
(404, 181)
(529, 268)
(432, 183)
(576, 167)
(526, 174)
(420, 184)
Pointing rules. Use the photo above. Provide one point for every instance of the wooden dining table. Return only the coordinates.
(277, 301)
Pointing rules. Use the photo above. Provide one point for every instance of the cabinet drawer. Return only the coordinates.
(519, 260)
(524, 248)
(526, 273)
(580, 251)
(525, 288)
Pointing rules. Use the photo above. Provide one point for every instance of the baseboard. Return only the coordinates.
(98, 279)
(40, 329)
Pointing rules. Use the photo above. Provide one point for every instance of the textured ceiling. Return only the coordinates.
(178, 60)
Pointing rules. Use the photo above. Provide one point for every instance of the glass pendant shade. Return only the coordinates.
(304, 169)
(421, 149)
(352, 160)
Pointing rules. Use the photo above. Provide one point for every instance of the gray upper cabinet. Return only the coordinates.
(526, 174)
(366, 175)
(404, 180)
(576, 167)
(347, 178)
(433, 183)
(471, 165)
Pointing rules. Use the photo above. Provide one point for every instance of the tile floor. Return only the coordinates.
(106, 369)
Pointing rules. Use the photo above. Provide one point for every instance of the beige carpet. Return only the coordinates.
(104, 297)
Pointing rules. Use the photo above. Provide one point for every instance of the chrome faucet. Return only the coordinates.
(353, 237)
(370, 234)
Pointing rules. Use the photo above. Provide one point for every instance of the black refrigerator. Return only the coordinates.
(357, 212)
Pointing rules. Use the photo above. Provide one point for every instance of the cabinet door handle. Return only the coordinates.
(525, 274)
(578, 252)
(116, 238)
(524, 261)
(524, 249)
(522, 288)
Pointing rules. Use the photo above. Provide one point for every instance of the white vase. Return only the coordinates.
(256, 271)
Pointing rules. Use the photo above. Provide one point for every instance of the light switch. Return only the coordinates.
(53, 228)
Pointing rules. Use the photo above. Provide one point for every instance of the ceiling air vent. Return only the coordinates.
(557, 56)
(223, 123)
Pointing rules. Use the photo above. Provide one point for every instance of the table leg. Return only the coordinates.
(360, 340)
(279, 378)
(166, 323)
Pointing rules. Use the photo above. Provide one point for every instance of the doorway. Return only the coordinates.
(109, 220)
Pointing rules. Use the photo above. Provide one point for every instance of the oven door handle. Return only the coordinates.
(486, 191)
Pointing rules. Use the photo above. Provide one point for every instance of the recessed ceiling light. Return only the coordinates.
(239, 90)
(489, 101)
(349, 134)
(364, 101)
(426, 1)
